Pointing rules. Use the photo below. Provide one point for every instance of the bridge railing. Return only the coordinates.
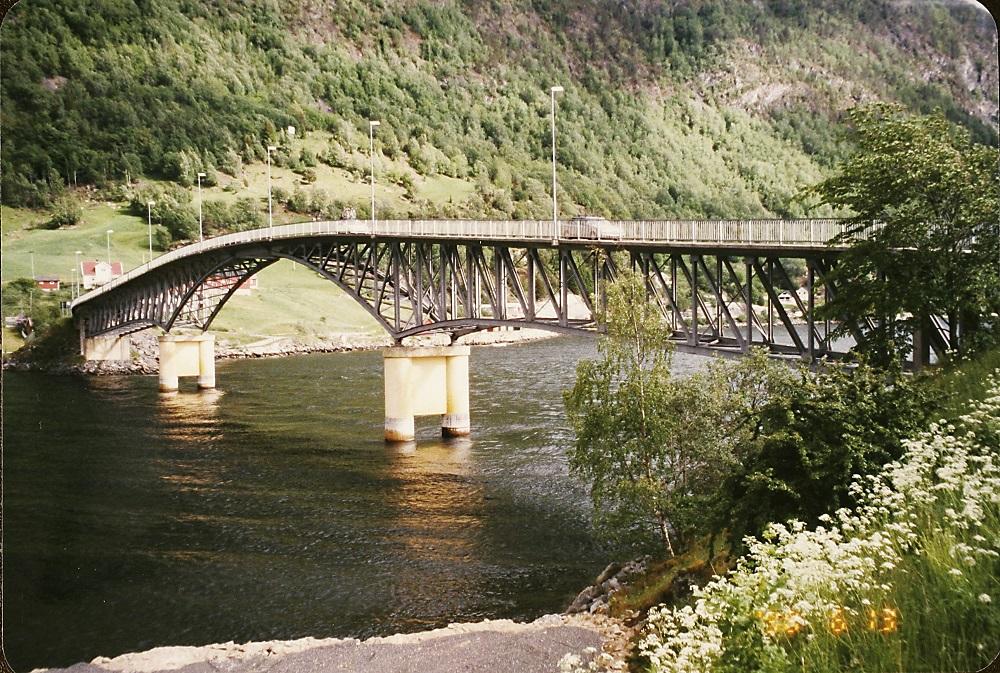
(750, 233)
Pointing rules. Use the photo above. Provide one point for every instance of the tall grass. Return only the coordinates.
(909, 581)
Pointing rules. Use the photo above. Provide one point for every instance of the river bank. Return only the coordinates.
(62, 358)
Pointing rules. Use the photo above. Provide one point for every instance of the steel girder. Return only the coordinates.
(414, 287)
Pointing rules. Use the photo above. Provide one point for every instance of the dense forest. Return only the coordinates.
(695, 108)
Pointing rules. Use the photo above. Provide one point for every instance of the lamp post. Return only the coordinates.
(78, 253)
(73, 293)
(201, 226)
(270, 215)
(555, 209)
(149, 222)
(109, 232)
(371, 154)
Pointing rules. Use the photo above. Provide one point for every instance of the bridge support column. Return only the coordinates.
(187, 356)
(106, 348)
(424, 382)
(456, 422)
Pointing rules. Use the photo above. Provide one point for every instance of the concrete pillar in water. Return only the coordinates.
(424, 382)
(398, 406)
(206, 362)
(168, 364)
(182, 355)
(455, 422)
(107, 348)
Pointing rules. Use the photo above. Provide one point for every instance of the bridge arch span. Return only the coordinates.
(457, 277)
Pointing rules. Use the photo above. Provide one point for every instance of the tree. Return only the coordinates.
(936, 248)
(21, 296)
(650, 446)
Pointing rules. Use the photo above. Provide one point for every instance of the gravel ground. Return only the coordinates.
(496, 646)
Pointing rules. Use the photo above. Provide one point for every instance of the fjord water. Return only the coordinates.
(272, 509)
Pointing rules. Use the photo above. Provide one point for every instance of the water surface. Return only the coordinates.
(273, 509)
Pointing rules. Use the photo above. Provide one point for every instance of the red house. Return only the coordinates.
(47, 283)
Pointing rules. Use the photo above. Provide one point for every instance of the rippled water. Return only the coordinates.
(273, 509)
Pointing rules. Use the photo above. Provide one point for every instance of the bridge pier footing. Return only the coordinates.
(424, 382)
(187, 356)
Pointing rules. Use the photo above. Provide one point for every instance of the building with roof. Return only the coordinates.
(96, 273)
(47, 283)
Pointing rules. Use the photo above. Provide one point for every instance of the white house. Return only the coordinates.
(96, 273)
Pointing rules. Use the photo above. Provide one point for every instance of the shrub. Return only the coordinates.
(246, 214)
(161, 237)
(907, 582)
(810, 438)
(66, 212)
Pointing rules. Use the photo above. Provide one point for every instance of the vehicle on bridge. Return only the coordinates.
(591, 227)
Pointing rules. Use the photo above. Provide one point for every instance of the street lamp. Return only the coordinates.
(270, 215)
(109, 232)
(149, 221)
(201, 226)
(78, 253)
(371, 153)
(72, 293)
(555, 210)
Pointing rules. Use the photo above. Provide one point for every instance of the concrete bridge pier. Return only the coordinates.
(106, 348)
(424, 382)
(182, 355)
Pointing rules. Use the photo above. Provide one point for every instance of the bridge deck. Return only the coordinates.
(731, 236)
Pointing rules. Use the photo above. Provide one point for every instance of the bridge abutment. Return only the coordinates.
(187, 356)
(423, 382)
(106, 348)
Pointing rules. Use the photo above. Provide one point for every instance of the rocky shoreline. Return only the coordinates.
(145, 350)
(596, 598)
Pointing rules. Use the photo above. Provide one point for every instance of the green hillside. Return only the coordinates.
(690, 108)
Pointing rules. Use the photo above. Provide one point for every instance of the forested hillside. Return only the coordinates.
(694, 108)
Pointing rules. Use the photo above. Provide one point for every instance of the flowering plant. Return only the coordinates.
(903, 582)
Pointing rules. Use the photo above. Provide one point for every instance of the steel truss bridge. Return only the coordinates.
(459, 276)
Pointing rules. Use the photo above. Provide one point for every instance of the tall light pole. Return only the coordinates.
(73, 293)
(109, 232)
(149, 222)
(201, 226)
(78, 253)
(270, 215)
(371, 154)
(555, 209)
